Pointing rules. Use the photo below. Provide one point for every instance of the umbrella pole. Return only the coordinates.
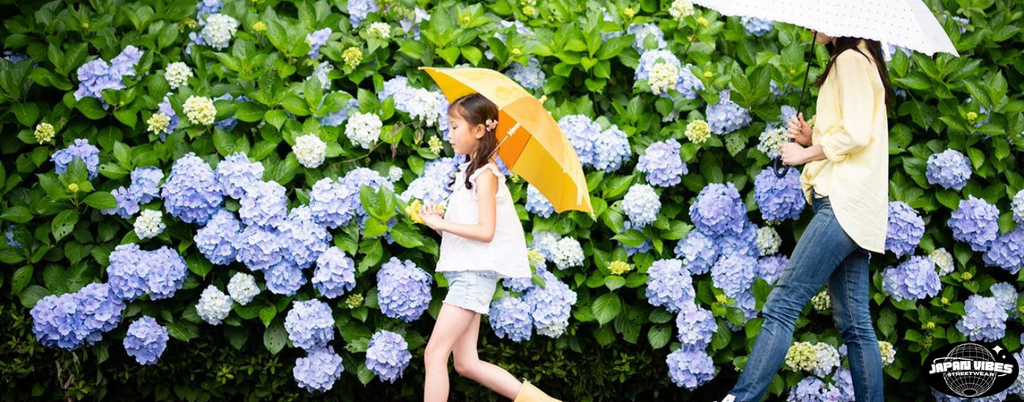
(781, 171)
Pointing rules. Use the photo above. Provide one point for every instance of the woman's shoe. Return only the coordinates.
(530, 393)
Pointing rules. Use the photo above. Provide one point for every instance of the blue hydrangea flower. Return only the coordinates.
(206, 7)
(432, 187)
(669, 285)
(641, 204)
(905, 229)
(529, 76)
(99, 309)
(9, 235)
(742, 244)
(581, 132)
(698, 252)
(359, 9)
(734, 274)
(546, 243)
(146, 184)
(403, 289)
(611, 149)
(522, 284)
(1007, 251)
(770, 268)
(975, 222)
(192, 192)
(303, 238)
(696, 326)
(690, 368)
(537, 203)
(949, 169)
(719, 210)
(127, 203)
(335, 273)
(756, 26)
(96, 75)
(235, 173)
(122, 273)
(310, 324)
(14, 57)
(264, 203)
(914, 279)
(319, 370)
(145, 340)
(80, 149)
(550, 305)
(388, 355)
(644, 31)
(809, 389)
(726, 116)
(216, 240)
(164, 271)
(985, 319)
(510, 316)
(779, 198)
(332, 202)
(663, 164)
(258, 248)
(284, 278)
(1005, 294)
(55, 322)
(317, 39)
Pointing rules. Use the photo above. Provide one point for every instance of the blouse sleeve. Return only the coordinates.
(493, 169)
(856, 97)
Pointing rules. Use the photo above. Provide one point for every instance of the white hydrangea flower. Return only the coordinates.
(664, 76)
(242, 288)
(681, 9)
(309, 150)
(158, 123)
(214, 306)
(771, 141)
(819, 358)
(177, 74)
(554, 330)
(380, 30)
(394, 173)
(768, 240)
(44, 132)
(200, 110)
(943, 260)
(219, 29)
(363, 129)
(423, 106)
(568, 253)
(821, 301)
(888, 352)
(149, 224)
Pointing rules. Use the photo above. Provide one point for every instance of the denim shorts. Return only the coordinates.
(471, 290)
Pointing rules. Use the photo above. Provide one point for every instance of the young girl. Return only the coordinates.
(482, 241)
(846, 179)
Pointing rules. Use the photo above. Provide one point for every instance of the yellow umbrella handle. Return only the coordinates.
(507, 135)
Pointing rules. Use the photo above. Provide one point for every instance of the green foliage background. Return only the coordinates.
(616, 343)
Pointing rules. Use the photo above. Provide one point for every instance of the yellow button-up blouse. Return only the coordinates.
(852, 130)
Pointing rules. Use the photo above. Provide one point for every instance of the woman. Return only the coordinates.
(845, 178)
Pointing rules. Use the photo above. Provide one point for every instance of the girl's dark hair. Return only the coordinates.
(843, 44)
(476, 109)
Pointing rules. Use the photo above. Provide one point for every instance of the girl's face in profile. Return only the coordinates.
(463, 136)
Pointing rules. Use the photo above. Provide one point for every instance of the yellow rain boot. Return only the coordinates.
(530, 393)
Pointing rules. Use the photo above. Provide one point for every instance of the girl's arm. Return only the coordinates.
(486, 191)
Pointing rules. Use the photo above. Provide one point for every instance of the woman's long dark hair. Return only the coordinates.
(476, 109)
(843, 44)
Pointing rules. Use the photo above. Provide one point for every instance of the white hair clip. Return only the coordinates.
(491, 124)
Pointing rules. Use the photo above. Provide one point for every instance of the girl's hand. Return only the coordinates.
(793, 154)
(799, 130)
(431, 215)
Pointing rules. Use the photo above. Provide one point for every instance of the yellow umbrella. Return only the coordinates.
(529, 140)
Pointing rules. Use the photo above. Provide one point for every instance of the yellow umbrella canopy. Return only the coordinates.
(529, 140)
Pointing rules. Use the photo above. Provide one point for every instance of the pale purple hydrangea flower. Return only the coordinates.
(191, 192)
(985, 319)
(403, 289)
(284, 278)
(264, 203)
(359, 9)
(698, 252)
(80, 149)
(537, 203)
(726, 116)
(145, 340)
(770, 268)
(550, 305)
(216, 240)
(690, 368)
(1005, 294)
(719, 210)
(388, 355)
(333, 202)
(696, 326)
(905, 229)
(304, 240)
(734, 274)
(914, 279)
(742, 244)
(756, 26)
(72, 320)
(529, 76)
(669, 285)
(644, 31)
(510, 317)
(779, 198)
(1007, 251)
(258, 248)
(975, 222)
(319, 370)
(310, 324)
(335, 273)
(663, 164)
(316, 40)
(949, 169)
(432, 186)
(581, 132)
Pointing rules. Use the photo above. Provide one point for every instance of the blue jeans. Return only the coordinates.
(824, 253)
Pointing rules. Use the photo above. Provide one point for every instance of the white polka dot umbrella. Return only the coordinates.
(906, 23)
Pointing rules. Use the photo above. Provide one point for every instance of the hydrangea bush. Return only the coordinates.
(181, 176)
